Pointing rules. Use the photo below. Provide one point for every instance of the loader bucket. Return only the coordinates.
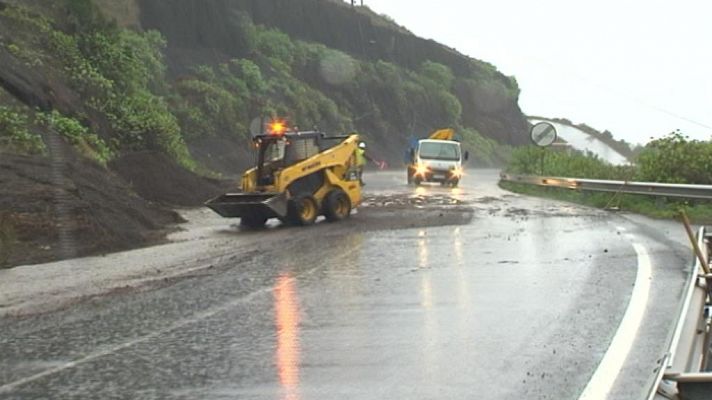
(234, 205)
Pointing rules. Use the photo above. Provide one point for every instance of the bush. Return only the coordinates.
(208, 109)
(15, 134)
(131, 60)
(438, 73)
(275, 44)
(89, 144)
(676, 159)
(572, 164)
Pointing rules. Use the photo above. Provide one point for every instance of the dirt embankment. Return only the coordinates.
(55, 209)
(64, 206)
(155, 177)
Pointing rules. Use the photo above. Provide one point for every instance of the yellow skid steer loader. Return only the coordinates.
(299, 176)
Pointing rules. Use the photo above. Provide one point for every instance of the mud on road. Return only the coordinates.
(400, 211)
(205, 244)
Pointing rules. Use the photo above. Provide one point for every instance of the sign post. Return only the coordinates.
(543, 135)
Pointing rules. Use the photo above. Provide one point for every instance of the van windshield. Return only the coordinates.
(440, 151)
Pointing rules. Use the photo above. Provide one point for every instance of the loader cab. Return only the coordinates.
(276, 152)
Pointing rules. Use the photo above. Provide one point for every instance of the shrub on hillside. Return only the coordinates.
(573, 164)
(78, 135)
(676, 159)
(15, 134)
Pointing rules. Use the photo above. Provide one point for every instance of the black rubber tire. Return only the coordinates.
(337, 206)
(253, 221)
(410, 177)
(454, 183)
(417, 181)
(296, 212)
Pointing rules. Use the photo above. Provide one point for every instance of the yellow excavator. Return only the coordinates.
(298, 177)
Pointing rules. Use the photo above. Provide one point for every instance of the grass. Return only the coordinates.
(655, 207)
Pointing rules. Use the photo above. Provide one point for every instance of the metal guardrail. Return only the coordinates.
(703, 192)
(683, 370)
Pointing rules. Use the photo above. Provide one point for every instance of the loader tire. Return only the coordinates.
(253, 221)
(302, 210)
(337, 206)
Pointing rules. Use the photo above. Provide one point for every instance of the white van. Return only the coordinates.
(436, 160)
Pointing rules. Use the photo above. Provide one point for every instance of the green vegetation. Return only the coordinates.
(657, 208)
(672, 159)
(117, 72)
(15, 134)
(676, 159)
(120, 78)
(572, 164)
(89, 144)
(292, 79)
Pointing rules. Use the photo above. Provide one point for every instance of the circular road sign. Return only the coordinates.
(543, 134)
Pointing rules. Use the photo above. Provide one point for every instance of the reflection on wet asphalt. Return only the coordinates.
(519, 302)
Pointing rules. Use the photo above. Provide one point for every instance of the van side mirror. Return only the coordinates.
(467, 155)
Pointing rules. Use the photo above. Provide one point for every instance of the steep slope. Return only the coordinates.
(142, 99)
(60, 196)
(197, 34)
(586, 143)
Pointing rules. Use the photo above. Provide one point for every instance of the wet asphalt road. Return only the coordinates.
(520, 301)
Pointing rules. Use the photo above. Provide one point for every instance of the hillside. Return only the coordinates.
(374, 45)
(144, 98)
(620, 146)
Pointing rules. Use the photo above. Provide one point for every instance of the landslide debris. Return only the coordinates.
(70, 207)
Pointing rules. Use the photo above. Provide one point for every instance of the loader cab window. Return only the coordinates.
(300, 149)
(271, 158)
(275, 151)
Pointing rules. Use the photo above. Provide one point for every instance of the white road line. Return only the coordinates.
(211, 312)
(113, 349)
(605, 376)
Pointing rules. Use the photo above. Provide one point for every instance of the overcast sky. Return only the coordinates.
(639, 68)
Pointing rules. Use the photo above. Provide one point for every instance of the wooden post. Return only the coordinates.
(691, 235)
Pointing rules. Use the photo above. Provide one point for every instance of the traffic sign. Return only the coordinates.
(543, 134)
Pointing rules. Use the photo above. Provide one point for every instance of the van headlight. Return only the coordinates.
(456, 172)
(422, 169)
